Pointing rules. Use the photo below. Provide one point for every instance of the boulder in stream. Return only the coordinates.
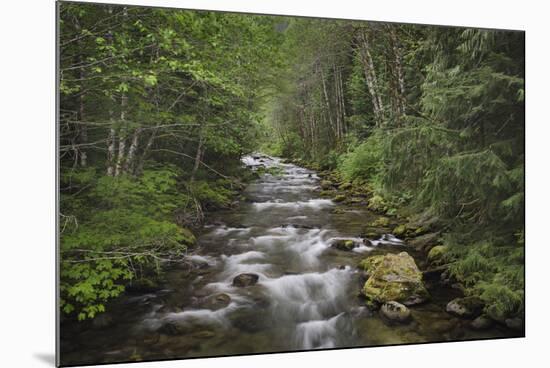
(344, 244)
(245, 279)
(468, 307)
(395, 312)
(393, 277)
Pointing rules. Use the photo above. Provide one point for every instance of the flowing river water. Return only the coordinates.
(306, 296)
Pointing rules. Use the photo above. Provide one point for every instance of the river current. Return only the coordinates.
(306, 295)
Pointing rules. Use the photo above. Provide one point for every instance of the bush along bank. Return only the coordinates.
(489, 277)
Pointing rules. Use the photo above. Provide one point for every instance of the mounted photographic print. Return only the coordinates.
(237, 184)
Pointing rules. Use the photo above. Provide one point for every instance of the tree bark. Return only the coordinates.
(326, 99)
(370, 77)
(83, 133)
(112, 146)
(122, 136)
(399, 73)
(129, 164)
(141, 161)
(198, 157)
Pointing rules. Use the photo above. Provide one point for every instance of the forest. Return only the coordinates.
(158, 108)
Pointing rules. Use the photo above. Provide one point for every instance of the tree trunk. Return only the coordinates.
(399, 73)
(129, 164)
(198, 157)
(122, 137)
(370, 77)
(326, 99)
(83, 129)
(83, 132)
(112, 146)
(141, 161)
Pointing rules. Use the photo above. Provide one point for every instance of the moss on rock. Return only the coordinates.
(436, 255)
(393, 277)
(339, 198)
(381, 221)
(345, 186)
(399, 230)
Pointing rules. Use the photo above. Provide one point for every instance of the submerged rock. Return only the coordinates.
(395, 312)
(514, 323)
(344, 244)
(204, 334)
(393, 277)
(249, 321)
(481, 323)
(338, 210)
(298, 226)
(468, 307)
(444, 325)
(174, 328)
(217, 301)
(245, 279)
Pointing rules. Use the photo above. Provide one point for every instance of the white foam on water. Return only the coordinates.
(224, 230)
(387, 239)
(310, 295)
(211, 261)
(317, 334)
(243, 263)
(297, 218)
(315, 204)
(310, 246)
(362, 249)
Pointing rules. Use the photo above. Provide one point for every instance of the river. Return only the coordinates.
(306, 295)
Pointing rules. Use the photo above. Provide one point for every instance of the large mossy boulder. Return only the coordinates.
(393, 277)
